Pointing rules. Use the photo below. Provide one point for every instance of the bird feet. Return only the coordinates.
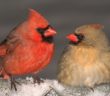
(37, 79)
(13, 83)
(91, 89)
(90, 84)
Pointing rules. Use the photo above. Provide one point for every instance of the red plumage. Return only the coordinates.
(27, 49)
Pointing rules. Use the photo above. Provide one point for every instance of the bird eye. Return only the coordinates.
(80, 36)
(42, 30)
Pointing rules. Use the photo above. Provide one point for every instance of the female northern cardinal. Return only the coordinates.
(28, 48)
(86, 60)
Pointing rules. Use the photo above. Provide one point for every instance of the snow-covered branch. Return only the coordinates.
(51, 88)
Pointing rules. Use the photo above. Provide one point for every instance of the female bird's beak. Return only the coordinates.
(72, 37)
(50, 32)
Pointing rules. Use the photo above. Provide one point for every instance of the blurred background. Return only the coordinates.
(63, 15)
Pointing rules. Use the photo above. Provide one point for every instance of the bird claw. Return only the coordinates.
(38, 80)
(13, 83)
(92, 89)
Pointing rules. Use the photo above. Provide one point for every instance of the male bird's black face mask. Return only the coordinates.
(42, 31)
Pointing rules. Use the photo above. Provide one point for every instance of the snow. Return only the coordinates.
(49, 88)
(97, 93)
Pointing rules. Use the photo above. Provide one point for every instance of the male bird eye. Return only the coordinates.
(42, 30)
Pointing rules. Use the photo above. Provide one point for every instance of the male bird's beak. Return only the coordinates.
(50, 32)
(72, 37)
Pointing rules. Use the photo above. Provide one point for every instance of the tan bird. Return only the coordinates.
(86, 59)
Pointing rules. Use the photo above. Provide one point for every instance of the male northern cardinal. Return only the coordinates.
(86, 60)
(28, 48)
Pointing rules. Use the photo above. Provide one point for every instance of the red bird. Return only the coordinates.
(28, 48)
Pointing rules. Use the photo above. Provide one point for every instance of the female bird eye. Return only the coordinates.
(80, 36)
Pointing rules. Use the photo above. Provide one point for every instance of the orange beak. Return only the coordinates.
(72, 37)
(50, 32)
